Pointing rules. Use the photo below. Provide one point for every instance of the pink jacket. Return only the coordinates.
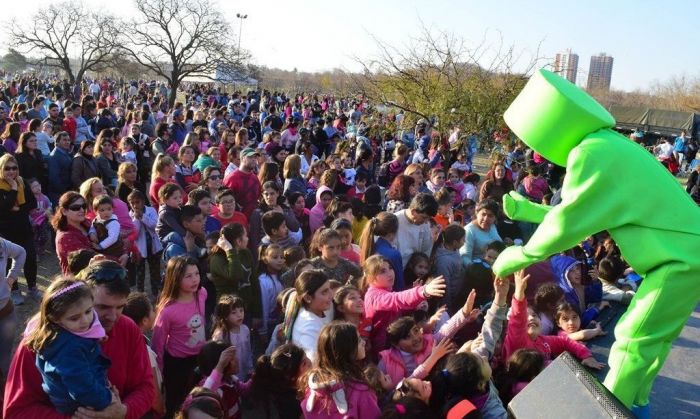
(549, 346)
(383, 306)
(340, 401)
(393, 363)
(317, 213)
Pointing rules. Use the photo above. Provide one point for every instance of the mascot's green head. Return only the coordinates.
(552, 116)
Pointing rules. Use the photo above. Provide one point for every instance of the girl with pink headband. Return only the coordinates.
(65, 336)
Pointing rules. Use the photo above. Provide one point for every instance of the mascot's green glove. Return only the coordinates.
(519, 208)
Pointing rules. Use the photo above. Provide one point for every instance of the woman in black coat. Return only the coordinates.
(16, 200)
(84, 165)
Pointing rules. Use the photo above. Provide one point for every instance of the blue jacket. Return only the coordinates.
(60, 166)
(560, 267)
(384, 248)
(74, 373)
(174, 245)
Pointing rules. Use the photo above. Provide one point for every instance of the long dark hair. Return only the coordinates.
(22, 144)
(337, 355)
(276, 374)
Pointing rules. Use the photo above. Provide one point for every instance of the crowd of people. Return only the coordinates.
(302, 259)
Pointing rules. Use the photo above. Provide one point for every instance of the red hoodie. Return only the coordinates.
(130, 373)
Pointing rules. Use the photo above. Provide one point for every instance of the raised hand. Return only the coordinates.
(520, 279)
(444, 347)
(436, 287)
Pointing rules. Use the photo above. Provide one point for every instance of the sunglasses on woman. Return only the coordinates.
(11, 168)
(214, 177)
(77, 207)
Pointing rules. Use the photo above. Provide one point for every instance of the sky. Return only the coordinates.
(651, 41)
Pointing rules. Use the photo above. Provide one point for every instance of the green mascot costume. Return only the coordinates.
(611, 184)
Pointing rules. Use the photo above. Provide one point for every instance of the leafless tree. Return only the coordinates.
(176, 39)
(68, 36)
(439, 77)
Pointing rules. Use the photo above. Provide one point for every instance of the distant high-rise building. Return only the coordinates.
(566, 65)
(600, 72)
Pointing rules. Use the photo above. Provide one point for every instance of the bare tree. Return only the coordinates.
(67, 36)
(441, 78)
(179, 38)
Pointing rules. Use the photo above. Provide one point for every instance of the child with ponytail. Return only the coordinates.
(382, 305)
(384, 226)
(308, 310)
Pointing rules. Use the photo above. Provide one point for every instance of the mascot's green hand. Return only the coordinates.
(518, 207)
(510, 260)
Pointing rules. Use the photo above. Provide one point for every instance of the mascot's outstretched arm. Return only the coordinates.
(567, 224)
(519, 208)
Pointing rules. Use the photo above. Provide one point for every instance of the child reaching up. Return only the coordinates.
(64, 335)
(466, 379)
(336, 386)
(524, 332)
(384, 306)
(547, 298)
(229, 314)
(414, 353)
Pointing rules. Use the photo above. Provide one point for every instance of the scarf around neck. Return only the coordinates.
(5, 186)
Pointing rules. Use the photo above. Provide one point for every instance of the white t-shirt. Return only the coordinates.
(307, 329)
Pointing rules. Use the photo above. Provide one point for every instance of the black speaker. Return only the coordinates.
(565, 389)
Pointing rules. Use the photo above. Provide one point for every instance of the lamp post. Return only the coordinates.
(240, 28)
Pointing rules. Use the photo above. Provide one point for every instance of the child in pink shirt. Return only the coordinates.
(382, 305)
(524, 332)
(178, 333)
(414, 353)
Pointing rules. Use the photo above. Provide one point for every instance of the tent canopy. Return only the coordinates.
(655, 120)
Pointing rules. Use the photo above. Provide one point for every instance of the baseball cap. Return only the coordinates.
(249, 152)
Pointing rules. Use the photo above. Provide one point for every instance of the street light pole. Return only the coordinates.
(240, 28)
